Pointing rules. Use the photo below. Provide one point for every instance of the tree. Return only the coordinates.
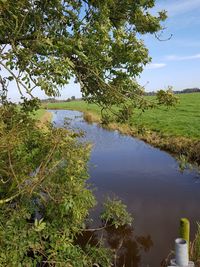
(44, 197)
(44, 43)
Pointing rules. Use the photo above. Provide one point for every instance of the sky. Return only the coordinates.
(175, 62)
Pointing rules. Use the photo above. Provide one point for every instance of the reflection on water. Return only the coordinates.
(127, 248)
(150, 184)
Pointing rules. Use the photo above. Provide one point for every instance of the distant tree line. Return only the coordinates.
(184, 91)
(188, 90)
(152, 93)
(54, 100)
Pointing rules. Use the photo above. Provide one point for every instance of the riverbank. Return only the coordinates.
(176, 130)
(186, 149)
(43, 116)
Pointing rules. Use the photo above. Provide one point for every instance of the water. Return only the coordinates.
(150, 184)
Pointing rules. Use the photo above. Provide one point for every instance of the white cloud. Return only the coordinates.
(180, 58)
(151, 66)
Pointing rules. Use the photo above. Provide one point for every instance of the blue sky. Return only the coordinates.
(175, 62)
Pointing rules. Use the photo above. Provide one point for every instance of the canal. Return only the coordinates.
(148, 181)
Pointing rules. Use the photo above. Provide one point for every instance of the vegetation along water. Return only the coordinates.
(175, 129)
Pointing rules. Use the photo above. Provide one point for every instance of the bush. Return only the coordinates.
(45, 199)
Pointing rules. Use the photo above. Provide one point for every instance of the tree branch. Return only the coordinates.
(11, 168)
(5, 41)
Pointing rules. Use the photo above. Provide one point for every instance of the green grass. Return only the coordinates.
(182, 120)
(74, 105)
(39, 113)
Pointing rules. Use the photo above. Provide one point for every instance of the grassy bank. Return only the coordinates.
(176, 130)
(43, 117)
(39, 114)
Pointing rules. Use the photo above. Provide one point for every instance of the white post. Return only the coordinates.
(181, 252)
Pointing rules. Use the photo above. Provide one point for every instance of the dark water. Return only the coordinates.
(150, 184)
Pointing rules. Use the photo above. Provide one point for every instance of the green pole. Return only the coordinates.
(184, 230)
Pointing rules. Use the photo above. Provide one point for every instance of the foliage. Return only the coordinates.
(45, 43)
(99, 255)
(167, 97)
(195, 248)
(125, 114)
(45, 200)
(115, 212)
(106, 119)
(44, 196)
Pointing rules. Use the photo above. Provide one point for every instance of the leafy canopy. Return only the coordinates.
(45, 43)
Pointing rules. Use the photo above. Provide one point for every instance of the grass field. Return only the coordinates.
(182, 120)
(74, 105)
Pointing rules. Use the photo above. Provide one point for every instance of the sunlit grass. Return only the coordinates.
(182, 120)
(39, 113)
